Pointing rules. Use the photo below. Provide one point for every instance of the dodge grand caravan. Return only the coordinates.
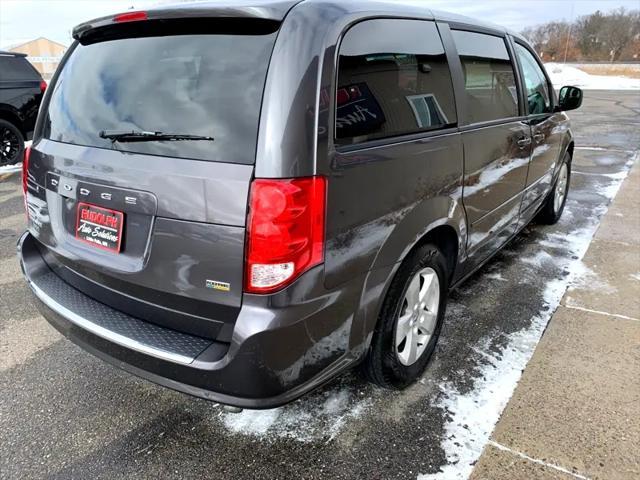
(241, 200)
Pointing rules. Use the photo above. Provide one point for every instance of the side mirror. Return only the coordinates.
(570, 98)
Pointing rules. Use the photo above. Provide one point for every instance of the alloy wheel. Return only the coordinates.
(418, 316)
(561, 188)
(9, 146)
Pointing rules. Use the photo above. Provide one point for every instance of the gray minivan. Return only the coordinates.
(241, 200)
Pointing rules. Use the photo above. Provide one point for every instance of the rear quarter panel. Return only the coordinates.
(383, 200)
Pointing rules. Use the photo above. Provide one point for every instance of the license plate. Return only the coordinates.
(101, 227)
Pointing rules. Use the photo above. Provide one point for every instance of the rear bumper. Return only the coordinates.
(282, 347)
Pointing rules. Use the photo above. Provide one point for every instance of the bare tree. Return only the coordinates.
(618, 31)
(600, 36)
(588, 32)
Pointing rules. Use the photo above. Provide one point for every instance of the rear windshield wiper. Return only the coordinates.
(142, 136)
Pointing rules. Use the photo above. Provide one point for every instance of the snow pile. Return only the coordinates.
(562, 75)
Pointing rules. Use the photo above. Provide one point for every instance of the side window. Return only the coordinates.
(538, 98)
(393, 79)
(489, 78)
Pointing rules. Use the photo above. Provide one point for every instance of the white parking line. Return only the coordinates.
(575, 307)
(605, 149)
(535, 460)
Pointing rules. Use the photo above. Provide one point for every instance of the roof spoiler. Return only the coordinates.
(192, 11)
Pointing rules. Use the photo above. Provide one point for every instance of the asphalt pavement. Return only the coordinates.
(65, 414)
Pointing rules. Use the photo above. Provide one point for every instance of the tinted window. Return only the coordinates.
(16, 68)
(393, 79)
(538, 98)
(489, 80)
(209, 85)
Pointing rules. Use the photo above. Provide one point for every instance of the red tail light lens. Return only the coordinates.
(285, 231)
(43, 86)
(130, 17)
(25, 173)
(25, 169)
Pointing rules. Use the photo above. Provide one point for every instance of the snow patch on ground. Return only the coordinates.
(562, 75)
(473, 415)
(495, 276)
(587, 279)
(314, 419)
(635, 276)
(250, 422)
(11, 168)
(538, 259)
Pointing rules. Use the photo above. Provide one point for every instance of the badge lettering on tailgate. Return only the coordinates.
(216, 285)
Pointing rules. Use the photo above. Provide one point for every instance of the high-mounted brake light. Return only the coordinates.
(43, 86)
(130, 17)
(25, 173)
(285, 231)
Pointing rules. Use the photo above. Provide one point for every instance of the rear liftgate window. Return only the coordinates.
(393, 79)
(200, 79)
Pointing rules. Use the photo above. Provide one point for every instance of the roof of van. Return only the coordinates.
(277, 9)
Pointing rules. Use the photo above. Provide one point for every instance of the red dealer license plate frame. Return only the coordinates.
(96, 225)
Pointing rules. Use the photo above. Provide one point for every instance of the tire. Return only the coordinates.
(387, 362)
(553, 207)
(11, 144)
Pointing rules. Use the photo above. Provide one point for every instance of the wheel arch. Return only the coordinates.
(567, 148)
(447, 230)
(440, 220)
(570, 149)
(446, 239)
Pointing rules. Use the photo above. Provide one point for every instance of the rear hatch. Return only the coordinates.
(139, 174)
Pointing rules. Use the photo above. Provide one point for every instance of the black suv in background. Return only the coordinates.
(21, 89)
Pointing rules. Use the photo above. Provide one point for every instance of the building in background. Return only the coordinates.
(44, 54)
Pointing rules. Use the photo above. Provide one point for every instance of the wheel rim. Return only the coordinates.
(561, 188)
(9, 146)
(418, 316)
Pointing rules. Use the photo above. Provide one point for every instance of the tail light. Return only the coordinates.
(43, 86)
(285, 231)
(25, 174)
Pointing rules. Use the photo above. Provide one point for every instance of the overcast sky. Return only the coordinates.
(23, 20)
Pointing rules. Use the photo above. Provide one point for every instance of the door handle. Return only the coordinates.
(524, 141)
(538, 137)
